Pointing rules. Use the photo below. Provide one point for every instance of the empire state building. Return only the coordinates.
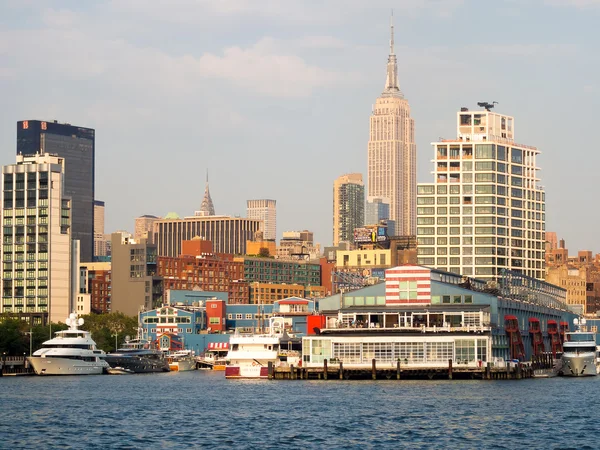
(392, 172)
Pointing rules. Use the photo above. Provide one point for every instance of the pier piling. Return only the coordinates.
(449, 369)
(373, 369)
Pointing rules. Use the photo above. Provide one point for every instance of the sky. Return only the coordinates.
(273, 98)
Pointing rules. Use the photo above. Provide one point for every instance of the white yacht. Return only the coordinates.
(249, 355)
(71, 352)
(579, 352)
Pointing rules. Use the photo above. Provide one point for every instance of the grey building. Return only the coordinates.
(76, 145)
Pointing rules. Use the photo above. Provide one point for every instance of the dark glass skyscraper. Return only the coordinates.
(77, 146)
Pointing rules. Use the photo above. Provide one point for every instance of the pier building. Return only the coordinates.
(426, 317)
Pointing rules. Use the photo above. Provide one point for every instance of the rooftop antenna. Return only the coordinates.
(487, 105)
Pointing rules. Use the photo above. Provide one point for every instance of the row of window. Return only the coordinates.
(481, 261)
(443, 189)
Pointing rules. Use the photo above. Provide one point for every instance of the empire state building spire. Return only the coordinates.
(207, 208)
(392, 87)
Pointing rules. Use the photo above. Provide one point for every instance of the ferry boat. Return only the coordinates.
(71, 352)
(579, 352)
(181, 360)
(138, 356)
(249, 355)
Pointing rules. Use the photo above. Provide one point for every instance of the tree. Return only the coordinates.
(12, 336)
(264, 252)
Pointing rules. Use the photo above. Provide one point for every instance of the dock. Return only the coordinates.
(15, 366)
(387, 371)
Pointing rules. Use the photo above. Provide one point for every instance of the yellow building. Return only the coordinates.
(253, 248)
(267, 293)
(573, 280)
(368, 259)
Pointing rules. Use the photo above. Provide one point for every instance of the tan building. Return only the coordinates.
(227, 234)
(144, 226)
(574, 281)
(392, 158)
(37, 251)
(267, 293)
(296, 245)
(99, 241)
(134, 280)
(364, 259)
(266, 211)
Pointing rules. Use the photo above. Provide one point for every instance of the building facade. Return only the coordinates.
(227, 234)
(144, 227)
(266, 211)
(218, 273)
(392, 152)
(348, 207)
(269, 270)
(377, 210)
(99, 241)
(485, 211)
(36, 240)
(298, 245)
(96, 282)
(76, 145)
(135, 284)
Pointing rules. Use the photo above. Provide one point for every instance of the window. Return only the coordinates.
(248, 316)
(484, 151)
(238, 316)
(216, 320)
(408, 290)
(425, 200)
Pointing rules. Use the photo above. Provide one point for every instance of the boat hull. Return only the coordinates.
(579, 365)
(247, 371)
(66, 366)
(182, 365)
(137, 364)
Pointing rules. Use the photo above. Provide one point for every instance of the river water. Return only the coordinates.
(200, 409)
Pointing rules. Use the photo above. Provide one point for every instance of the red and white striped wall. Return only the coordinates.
(395, 275)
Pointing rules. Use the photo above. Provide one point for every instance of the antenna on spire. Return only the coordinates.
(392, 33)
(206, 176)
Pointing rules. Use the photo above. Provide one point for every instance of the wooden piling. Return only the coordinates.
(270, 370)
(373, 369)
(341, 370)
(488, 371)
(325, 369)
(449, 369)
(398, 370)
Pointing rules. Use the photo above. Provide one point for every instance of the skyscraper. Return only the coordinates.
(378, 209)
(266, 211)
(485, 210)
(348, 207)
(392, 159)
(206, 208)
(76, 145)
(37, 253)
(144, 227)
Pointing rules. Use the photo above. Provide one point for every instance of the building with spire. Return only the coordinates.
(392, 157)
(206, 208)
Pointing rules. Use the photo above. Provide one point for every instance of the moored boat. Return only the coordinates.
(579, 353)
(181, 360)
(138, 356)
(70, 352)
(249, 355)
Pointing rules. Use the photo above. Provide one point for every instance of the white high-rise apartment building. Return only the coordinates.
(36, 240)
(485, 211)
(392, 160)
(265, 210)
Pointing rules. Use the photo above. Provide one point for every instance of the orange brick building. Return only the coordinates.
(197, 268)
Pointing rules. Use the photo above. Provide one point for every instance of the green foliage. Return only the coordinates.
(15, 340)
(104, 327)
(12, 336)
(264, 252)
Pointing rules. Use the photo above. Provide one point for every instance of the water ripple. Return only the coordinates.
(203, 410)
